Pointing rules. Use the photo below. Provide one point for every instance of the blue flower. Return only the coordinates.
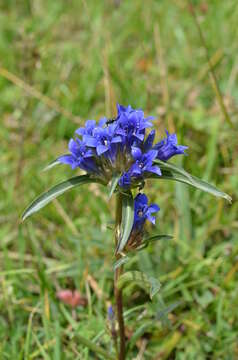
(143, 211)
(143, 162)
(80, 156)
(132, 124)
(89, 127)
(168, 147)
(103, 139)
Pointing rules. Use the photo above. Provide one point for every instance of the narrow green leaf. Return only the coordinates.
(127, 220)
(55, 191)
(171, 167)
(149, 284)
(53, 164)
(158, 237)
(166, 310)
(172, 172)
(147, 241)
(139, 332)
(114, 183)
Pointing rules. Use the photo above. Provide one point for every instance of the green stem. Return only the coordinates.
(118, 292)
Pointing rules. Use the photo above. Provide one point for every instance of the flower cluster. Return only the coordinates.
(120, 146)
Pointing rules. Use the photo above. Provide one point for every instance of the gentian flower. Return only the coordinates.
(120, 147)
(89, 127)
(168, 147)
(102, 139)
(143, 211)
(143, 162)
(132, 124)
(81, 156)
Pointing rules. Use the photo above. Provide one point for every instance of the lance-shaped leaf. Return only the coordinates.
(53, 163)
(158, 237)
(56, 191)
(173, 172)
(150, 239)
(114, 183)
(127, 220)
(149, 284)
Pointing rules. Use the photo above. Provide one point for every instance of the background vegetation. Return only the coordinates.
(62, 62)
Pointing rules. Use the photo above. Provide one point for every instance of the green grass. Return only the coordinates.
(82, 57)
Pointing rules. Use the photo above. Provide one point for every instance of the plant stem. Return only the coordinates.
(117, 292)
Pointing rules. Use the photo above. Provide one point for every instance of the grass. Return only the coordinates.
(62, 63)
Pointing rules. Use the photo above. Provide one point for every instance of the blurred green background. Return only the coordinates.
(62, 62)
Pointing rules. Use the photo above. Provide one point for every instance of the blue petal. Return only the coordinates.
(159, 144)
(149, 141)
(80, 131)
(73, 146)
(120, 131)
(98, 131)
(139, 136)
(135, 170)
(153, 208)
(90, 140)
(150, 118)
(155, 170)
(90, 124)
(102, 121)
(149, 156)
(136, 152)
(151, 219)
(66, 159)
(142, 199)
(116, 139)
(101, 149)
(89, 153)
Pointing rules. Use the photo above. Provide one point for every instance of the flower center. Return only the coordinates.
(140, 213)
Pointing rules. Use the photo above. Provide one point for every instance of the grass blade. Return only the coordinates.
(84, 341)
